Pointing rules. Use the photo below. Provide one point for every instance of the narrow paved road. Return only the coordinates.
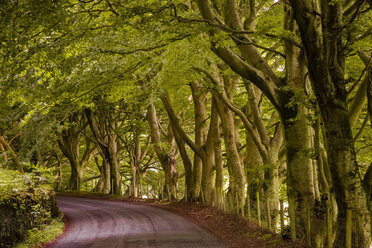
(108, 224)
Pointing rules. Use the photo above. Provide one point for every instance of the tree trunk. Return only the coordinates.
(69, 144)
(199, 99)
(236, 183)
(346, 178)
(106, 176)
(12, 154)
(100, 186)
(187, 164)
(165, 157)
(325, 61)
(168, 164)
(114, 162)
(219, 165)
(133, 184)
(209, 160)
(59, 179)
(104, 133)
(300, 170)
(204, 150)
(74, 182)
(5, 155)
(270, 162)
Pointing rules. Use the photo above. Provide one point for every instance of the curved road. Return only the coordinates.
(108, 224)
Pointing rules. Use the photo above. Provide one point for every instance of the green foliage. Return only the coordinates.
(41, 175)
(256, 172)
(11, 181)
(270, 21)
(26, 202)
(38, 236)
(38, 180)
(178, 71)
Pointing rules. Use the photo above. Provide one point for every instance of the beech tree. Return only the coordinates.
(325, 60)
(252, 66)
(69, 143)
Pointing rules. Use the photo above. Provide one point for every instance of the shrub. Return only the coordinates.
(26, 202)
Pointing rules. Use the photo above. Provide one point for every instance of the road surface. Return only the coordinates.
(109, 224)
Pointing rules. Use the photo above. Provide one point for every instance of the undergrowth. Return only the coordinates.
(43, 235)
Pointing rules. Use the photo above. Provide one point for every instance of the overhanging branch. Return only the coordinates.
(142, 49)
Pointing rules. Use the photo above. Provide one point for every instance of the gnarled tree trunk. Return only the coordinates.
(106, 139)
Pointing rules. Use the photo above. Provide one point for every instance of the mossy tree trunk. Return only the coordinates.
(187, 163)
(219, 184)
(298, 132)
(235, 167)
(69, 143)
(267, 147)
(325, 61)
(200, 116)
(166, 158)
(204, 151)
(253, 67)
(103, 126)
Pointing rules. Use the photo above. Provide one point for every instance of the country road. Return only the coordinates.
(109, 224)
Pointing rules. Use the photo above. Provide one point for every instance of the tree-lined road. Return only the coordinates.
(103, 223)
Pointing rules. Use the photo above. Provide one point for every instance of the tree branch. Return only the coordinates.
(262, 149)
(256, 45)
(351, 13)
(12, 154)
(361, 97)
(174, 119)
(265, 138)
(210, 23)
(143, 49)
(364, 124)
